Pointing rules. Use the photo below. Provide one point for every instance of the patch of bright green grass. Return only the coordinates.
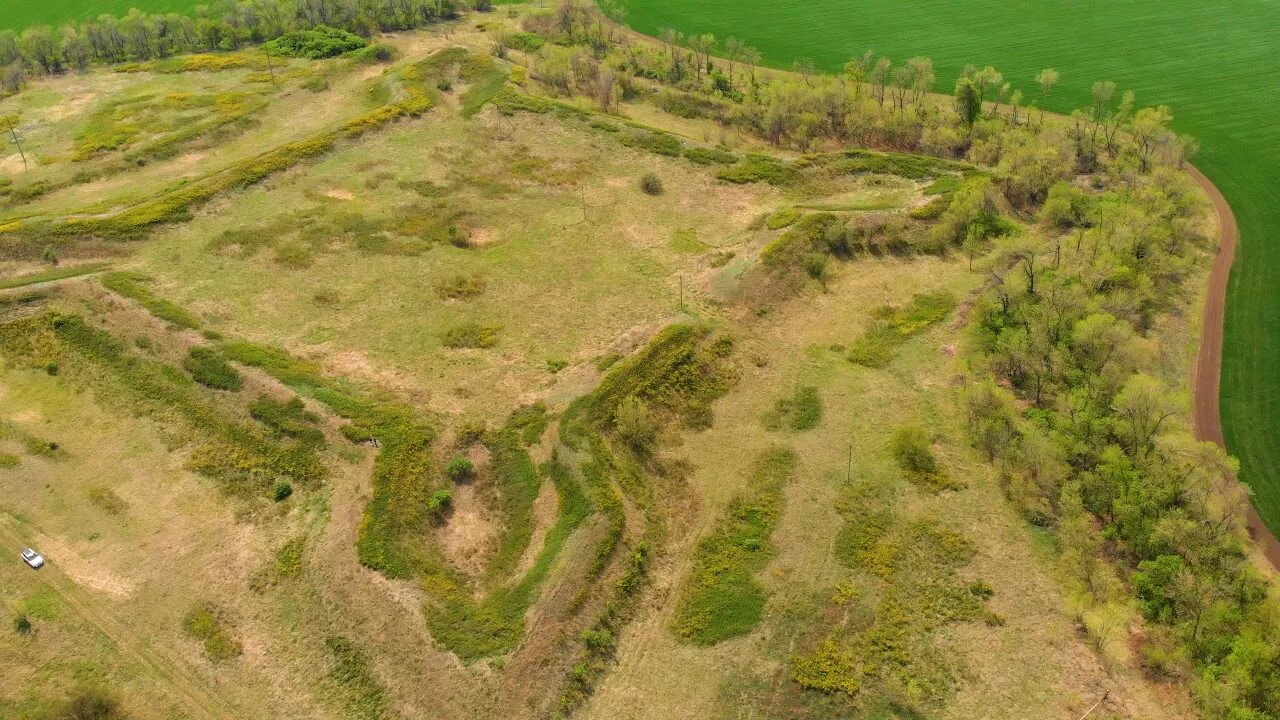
(721, 597)
(801, 411)
(203, 624)
(893, 326)
(685, 240)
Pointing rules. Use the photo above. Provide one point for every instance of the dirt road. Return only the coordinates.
(1207, 371)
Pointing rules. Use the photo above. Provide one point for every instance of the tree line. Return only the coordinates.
(873, 102)
(224, 25)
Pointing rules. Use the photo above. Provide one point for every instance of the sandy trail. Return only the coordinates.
(1207, 371)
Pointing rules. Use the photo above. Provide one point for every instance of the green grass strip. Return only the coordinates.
(894, 326)
(133, 286)
(721, 597)
(61, 273)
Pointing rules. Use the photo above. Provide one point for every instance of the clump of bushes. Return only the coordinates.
(283, 491)
(802, 411)
(912, 450)
(759, 168)
(316, 43)
(209, 368)
(22, 624)
(289, 418)
(709, 155)
(471, 335)
(375, 53)
(634, 425)
(651, 184)
(526, 41)
(658, 143)
(460, 469)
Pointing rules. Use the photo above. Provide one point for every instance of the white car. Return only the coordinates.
(33, 558)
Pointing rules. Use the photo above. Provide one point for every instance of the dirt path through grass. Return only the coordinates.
(192, 693)
(1207, 370)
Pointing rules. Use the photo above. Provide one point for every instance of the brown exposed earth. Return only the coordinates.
(1207, 371)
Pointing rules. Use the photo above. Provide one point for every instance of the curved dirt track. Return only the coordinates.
(1207, 371)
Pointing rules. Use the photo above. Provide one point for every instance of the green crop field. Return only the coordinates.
(18, 14)
(1213, 63)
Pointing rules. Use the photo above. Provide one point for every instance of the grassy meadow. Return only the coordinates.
(424, 388)
(1207, 61)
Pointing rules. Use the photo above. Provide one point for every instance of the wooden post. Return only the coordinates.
(13, 130)
(270, 69)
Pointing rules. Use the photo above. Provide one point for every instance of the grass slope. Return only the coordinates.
(1203, 59)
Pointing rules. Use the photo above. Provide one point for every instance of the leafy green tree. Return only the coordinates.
(968, 101)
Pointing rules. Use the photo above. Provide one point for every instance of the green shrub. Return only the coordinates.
(802, 411)
(709, 155)
(203, 624)
(315, 43)
(440, 501)
(913, 450)
(375, 53)
(209, 368)
(658, 143)
(651, 184)
(22, 624)
(634, 425)
(471, 335)
(283, 491)
(460, 469)
(759, 168)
